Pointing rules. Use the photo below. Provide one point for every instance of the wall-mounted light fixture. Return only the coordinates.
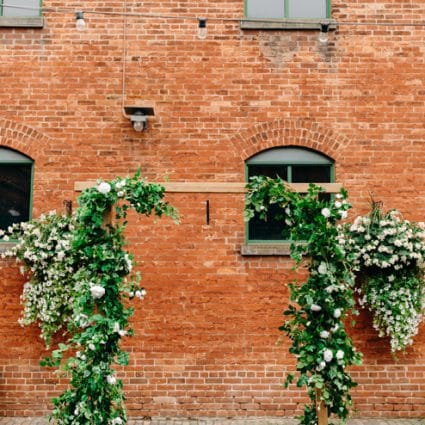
(324, 33)
(138, 115)
(202, 28)
(80, 23)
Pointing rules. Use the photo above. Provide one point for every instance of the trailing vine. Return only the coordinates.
(316, 316)
(78, 268)
(388, 254)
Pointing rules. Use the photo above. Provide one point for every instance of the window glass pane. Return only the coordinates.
(307, 8)
(289, 155)
(15, 12)
(268, 170)
(15, 193)
(273, 229)
(265, 8)
(311, 174)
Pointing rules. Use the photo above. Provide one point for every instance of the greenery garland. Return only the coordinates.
(319, 306)
(78, 273)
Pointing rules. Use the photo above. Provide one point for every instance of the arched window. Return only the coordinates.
(293, 164)
(16, 172)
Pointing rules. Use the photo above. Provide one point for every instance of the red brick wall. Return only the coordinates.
(206, 336)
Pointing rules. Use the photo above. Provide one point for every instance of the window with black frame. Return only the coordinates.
(15, 187)
(294, 165)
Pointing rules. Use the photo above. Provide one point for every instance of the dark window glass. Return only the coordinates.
(15, 193)
(272, 171)
(311, 174)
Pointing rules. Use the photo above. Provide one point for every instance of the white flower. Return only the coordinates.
(322, 269)
(116, 421)
(92, 347)
(339, 354)
(111, 379)
(326, 212)
(337, 313)
(343, 214)
(120, 184)
(140, 294)
(315, 307)
(104, 188)
(128, 262)
(321, 366)
(97, 291)
(328, 355)
(338, 204)
(120, 194)
(324, 334)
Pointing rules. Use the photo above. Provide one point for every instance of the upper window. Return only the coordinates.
(15, 187)
(20, 8)
(294, 165)
(287, 9)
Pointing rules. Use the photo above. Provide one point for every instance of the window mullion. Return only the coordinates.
(289, 173)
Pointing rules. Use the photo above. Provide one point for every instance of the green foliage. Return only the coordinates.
(44, 247)
(388, 252)
(79, 270)
(315, 318)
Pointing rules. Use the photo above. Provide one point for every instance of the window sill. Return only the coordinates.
(286, 24)
(5, 246)
(33, 22)
(277, 248)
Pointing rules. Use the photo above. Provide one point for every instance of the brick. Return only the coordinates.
(206, 334)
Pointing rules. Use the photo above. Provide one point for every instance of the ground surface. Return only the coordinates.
(220, 421)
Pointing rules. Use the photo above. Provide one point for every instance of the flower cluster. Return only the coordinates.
(397, 305)
(44, 246)
(388, 253)
(385, 242)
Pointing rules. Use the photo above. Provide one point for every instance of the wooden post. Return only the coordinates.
(321, 409)
(107, 218)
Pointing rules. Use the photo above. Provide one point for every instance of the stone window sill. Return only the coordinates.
(5, 246)
(34, 22)
(286, 24)
(277, 249)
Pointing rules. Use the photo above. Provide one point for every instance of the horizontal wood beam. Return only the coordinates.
(217, 187)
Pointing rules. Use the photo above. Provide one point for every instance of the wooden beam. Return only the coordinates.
(217, 187)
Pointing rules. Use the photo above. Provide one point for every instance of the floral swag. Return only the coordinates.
(380, 256)
(78, 278)
(79, 275)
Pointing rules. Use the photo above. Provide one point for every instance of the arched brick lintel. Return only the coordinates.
(288, 132)
(22, 138)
